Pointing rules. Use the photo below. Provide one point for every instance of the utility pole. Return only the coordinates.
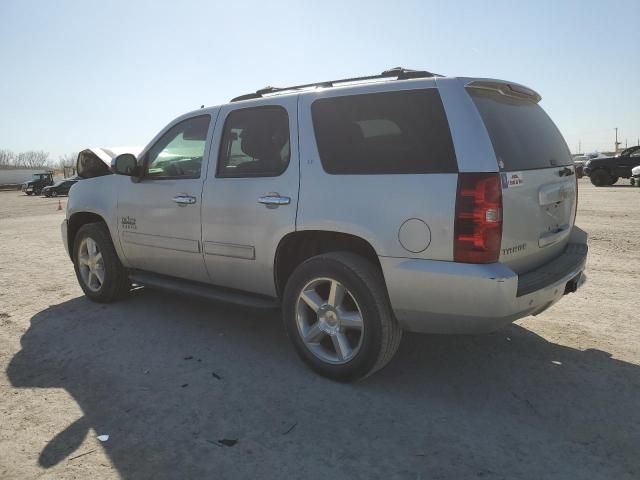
(579, 146)
(617, 144)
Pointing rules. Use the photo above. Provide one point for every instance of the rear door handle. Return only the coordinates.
(184, 200)
(274, 200)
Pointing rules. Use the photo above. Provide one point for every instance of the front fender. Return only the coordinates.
(96, 196)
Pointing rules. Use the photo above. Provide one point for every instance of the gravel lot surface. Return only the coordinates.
(555, 396)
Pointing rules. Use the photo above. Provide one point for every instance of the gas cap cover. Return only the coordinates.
(414, 235)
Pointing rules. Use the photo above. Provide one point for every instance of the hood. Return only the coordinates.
(595, 161)
(96, 161)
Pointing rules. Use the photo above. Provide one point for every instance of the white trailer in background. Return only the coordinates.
(17, 176)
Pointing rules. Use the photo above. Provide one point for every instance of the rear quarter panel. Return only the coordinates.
(373, 207)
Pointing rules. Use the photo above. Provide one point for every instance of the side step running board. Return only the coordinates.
(202, 290)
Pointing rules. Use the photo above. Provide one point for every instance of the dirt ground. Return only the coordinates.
(555, 396)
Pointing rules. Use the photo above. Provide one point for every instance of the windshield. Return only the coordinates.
(628, 152)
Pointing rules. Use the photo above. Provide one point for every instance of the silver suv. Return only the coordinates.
(361, 207)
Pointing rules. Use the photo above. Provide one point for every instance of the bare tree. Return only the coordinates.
(66, 160)
(7, 158)
(28, 159)
(32, 159)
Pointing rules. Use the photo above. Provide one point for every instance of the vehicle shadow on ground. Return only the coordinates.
(168, 378)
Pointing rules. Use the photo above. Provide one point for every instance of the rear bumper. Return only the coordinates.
(447, 297)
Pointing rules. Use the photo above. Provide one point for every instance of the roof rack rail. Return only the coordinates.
(398, 72)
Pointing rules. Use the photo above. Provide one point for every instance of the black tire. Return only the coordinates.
(29, 193)
(600, 178)
(381, 334)
(53, 193)
(614, 180)
(116, 281)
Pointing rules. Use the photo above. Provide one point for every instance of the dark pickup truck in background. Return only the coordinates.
(606, 171)
(37, 183)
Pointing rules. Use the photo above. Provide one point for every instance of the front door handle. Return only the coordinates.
(184, 200)
(274, 200)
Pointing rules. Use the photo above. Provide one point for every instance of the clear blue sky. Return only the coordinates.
(75, 74)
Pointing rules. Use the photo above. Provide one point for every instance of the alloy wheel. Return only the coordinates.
(91, 264)
(329, 321)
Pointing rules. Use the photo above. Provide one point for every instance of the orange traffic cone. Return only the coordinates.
(59, 205)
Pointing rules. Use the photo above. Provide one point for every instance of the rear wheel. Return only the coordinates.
(29, 193)
(337, 315)
(98, 269)
(600, 178)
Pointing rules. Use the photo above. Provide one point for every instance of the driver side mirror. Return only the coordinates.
(125, 164)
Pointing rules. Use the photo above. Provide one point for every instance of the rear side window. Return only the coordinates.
(255, 143)
(384, 133)
(522, 134)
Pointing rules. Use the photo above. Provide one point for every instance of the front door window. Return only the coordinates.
(179, 152)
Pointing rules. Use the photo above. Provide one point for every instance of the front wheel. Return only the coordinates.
(53, 193)
(338, 317)
(98, 269)
(600, 178)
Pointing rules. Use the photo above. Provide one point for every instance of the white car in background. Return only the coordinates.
(635, 176)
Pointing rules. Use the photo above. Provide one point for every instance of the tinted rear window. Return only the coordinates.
(522, 134)
(384, 133)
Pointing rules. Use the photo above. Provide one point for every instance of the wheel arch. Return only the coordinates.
(76, 221)
(296, 247)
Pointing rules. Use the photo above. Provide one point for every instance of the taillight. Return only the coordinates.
(478, 224)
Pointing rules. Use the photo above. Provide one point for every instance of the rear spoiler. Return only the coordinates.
(508, 89)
